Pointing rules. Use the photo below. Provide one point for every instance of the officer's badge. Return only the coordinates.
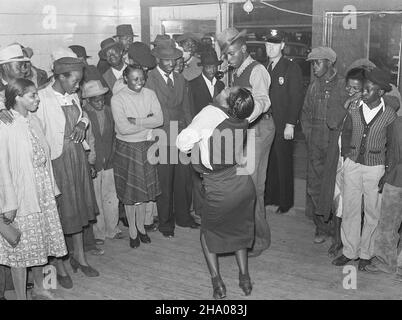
(281, 80)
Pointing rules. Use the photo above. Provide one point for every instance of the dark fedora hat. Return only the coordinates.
(125, 30)
(141, 54)
(109, 43)
(79, 51)
(166, 49)
(160, 37)
(188, 35)
(228, 36)
(209, 58)
(380, 78)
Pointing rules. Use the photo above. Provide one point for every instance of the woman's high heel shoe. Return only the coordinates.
(245, 283)
(87, 270)
(218, 287)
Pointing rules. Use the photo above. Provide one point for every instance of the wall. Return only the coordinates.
(45, 25)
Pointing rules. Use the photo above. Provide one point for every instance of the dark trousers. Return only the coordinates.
(197, 192)
(279, 185)
(6, 281)
(175, 201)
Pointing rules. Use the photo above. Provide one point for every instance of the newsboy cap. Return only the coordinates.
(322, 53)
(67, 64)
(380, 78)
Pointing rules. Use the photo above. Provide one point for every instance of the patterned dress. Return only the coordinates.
(42, 235)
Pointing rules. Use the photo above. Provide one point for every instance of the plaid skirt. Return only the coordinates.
(135, 178)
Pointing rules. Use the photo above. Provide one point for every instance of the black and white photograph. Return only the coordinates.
(200, 155)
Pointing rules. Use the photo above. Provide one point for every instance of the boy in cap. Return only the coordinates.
(188, 41)
(364, 169)
(325, 97)
(170, 89)
(286, 94)
(100, 160)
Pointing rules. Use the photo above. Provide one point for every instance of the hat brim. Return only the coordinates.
(217, 63)
(276, 41)
(183, 38)
(319, 58)
(25, 59)
(99, 93)
(228, 43)
(174, 54)
(122, 35)
(111, 45)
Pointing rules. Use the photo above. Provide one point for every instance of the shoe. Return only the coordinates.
(99, 242)
(30, 285)
(118, 235)
(254, 253)
(44, 295)
(168, 234)
(124, 221)
(135, 243)
(144, 238)
(219, 288)
(87, 270)
(245, 283)
(65, 281)
(378, 267)
(151, 227)
(320, 238)
(97, 252)
(195, 225)
(341, 261)
(363, 263)
(281, 210)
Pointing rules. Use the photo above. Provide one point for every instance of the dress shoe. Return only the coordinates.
(363, 263)
(168, 234)
(135, 243)
(144, 238)
(320, 238)
(195, 225)
(245, 283)
(254, 253)
(341, 261)
(376, 266)
(87, 270)
(151, 227)
(282, 210)
(65, 281)
(219, 288)
(124, 221)
(30, 285)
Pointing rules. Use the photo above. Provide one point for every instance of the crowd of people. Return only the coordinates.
(138, 139)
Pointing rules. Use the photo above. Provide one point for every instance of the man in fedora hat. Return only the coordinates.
(173, 97)
(38, 76)
(203, 90)
(125, 35)
(12, 66)
(286, 94)
(251, 74)
(100, 160)
(188, 42)
(113, 51)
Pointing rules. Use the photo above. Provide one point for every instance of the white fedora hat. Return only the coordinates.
(12, 53)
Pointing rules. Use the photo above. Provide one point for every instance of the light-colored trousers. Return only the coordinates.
(151, 211)
(106, 198)
(264, 136)
(360, 180)
(136, 216)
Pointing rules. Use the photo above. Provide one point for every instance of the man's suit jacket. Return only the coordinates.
(174, 101)
(286, 93)
(200, 94)
(109, 78)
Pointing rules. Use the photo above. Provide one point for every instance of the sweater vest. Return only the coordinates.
(243, 80)
(368, 143)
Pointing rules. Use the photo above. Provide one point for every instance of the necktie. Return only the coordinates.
(169, 81)
(270, 67)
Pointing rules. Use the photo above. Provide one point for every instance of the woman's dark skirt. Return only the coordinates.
(227, 213)
(135, 178)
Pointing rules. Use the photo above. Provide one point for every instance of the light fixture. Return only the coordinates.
(248, 6)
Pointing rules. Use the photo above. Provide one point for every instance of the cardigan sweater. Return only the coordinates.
(368, 143)
(17, 175)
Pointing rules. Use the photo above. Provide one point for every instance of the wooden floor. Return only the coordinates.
(293, 268)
